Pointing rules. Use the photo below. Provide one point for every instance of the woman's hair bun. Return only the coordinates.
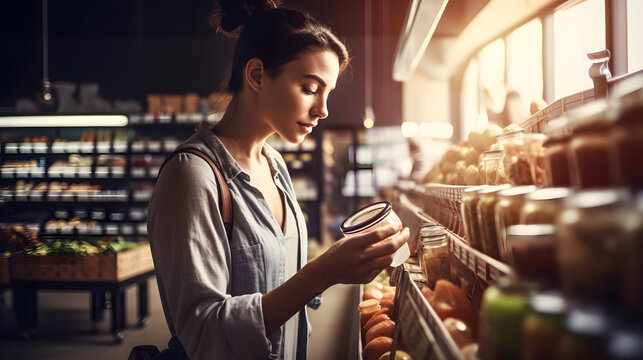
(230, 15)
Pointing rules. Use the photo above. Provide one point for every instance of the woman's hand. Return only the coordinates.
(359, 258)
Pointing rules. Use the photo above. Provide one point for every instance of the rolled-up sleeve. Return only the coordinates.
(192, 260)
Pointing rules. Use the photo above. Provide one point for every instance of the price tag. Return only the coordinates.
(414, 330)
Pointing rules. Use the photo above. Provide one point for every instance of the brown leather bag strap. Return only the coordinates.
(226, 205)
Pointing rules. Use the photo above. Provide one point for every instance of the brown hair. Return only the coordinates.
(274, 35)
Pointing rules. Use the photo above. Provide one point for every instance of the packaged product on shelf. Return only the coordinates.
(449, 301)
(367, 309)
(632, 269)
(377, 347)
(543, 206)
(531, 252)
(523, 160)
(487, 200)
(510, 202)
(468, 206)
(434, 254)
(589, 148)
(460, 332)
(586, 333)
(626, 137)
(593, 229)
(491, 160)
(556, 149)
(543, 326)
(504, 306)
(372, 216)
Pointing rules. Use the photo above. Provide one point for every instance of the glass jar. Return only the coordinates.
(531, 252)
(556, 149)
(372, 217)
(632, 270)
(487, 200)
(491, 161)
(590, 243)
(543, 326)
(543, 206)
(434, 254)
(508, 213)
(468, 206)
(626, 137)
(589, 157)
(585, 335)
(503, 308)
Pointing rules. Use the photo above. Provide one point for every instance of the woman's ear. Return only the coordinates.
(254, 74)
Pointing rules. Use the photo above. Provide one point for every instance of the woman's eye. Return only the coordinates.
(309, 92)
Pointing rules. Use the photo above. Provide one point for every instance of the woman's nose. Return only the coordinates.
(320, 110)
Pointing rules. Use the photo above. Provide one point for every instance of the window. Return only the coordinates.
(634, 35)
(525, 61)
(578, 29)
(492, 75)
(469, 100)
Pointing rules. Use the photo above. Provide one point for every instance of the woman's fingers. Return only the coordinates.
(376, 236)
(387, 246)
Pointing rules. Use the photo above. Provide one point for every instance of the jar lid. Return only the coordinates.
(595, 198)
(554, 193)
(432, 231)
(530, 230)
(518, 191)
(550, 302)
(366, 217)
(558, 127)
(626, 344)
(588, 321)
(629, 92)
(493, 153)
(493, 189)
(591, 116)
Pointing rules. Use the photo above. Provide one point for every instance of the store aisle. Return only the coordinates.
(64, 329)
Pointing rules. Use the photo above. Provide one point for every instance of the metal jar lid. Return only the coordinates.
(366, 217)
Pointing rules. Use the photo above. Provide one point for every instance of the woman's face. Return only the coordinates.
(295, 100)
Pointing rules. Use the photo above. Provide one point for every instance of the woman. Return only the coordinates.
(244, 296)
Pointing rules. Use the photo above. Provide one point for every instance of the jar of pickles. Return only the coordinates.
(371, 217)
(487, 200)
(503, 308)
(468, 206)
(591, 233)
(589, 147)
(434, 258)
(508, 213)
(543, 206)
(531, 252)
(543, 326)
(626, 136)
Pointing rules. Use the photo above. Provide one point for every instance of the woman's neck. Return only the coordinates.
(242, 131)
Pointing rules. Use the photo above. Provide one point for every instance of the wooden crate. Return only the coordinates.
(107, 267)
(4, 270)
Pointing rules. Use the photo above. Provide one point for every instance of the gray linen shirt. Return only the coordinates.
(210, 287)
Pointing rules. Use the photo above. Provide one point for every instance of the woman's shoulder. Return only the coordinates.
(186, 169)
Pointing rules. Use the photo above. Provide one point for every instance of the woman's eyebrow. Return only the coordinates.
(315, 77)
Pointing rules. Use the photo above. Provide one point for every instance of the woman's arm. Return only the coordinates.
(352, 260)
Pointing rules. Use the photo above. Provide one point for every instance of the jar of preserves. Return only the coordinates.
(504, 305)
(491, 161)
(371, 217)
(468, 206)
(434, 254)
(544, 205)
(556, 149)
(543, 326)
(586, 333)
(626, 136)
(531, 252)
(508, 213)
(589, 148)
(591, 233)
(487, 200)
